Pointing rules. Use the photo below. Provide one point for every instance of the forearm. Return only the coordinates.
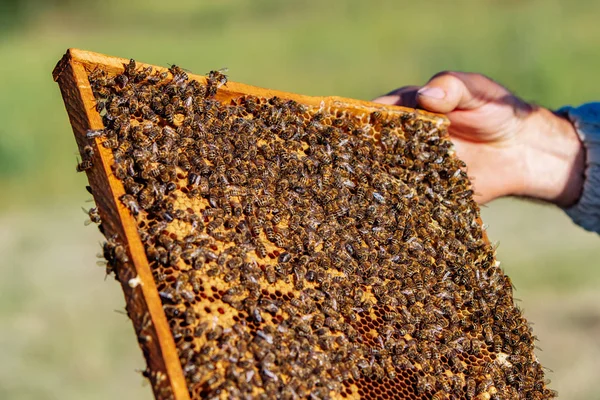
(553, 159)
(562, 161)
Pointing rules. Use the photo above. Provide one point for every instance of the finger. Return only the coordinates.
(448, 91)
(405, 96)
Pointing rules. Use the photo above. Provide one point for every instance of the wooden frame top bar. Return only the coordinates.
(91, 60)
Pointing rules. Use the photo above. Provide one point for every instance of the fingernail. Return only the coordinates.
(433, 92)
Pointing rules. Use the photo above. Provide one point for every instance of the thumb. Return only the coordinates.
(448, 91)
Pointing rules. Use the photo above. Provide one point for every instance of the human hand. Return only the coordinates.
(510, 147)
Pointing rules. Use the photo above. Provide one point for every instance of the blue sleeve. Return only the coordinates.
(586, 119)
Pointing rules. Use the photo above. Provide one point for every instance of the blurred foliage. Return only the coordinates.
(61, 327)
(540, 48)
(14, 13)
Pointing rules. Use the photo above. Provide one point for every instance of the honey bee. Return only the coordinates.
(278, 240)
(121, 81)
(130, 203)
(121, 152)
(120, 254)
(142, 75)
(214, 333)
(149, 114)
(214, 224)
(488, 334)
(88, 151)
(217, 78)
(517, 359)
(94, 133)
(470, 388)
(441, 395)
(110, 143)
(425, 384)
(84, 165)
(150, 170)
(93, 215)
(179, 74)
(130, 68)
(146, 197)
(476, 346)
(318, 321)
(457, 363)
(169, 112)
(260, 249)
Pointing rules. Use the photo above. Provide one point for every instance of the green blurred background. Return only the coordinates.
(60, 336)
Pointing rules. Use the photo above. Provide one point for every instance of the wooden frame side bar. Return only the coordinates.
(143, 302)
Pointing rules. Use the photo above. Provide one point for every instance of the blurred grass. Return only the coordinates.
(57, 313)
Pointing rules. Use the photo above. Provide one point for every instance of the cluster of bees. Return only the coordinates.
(302, 251)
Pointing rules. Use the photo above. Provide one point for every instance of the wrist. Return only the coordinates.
(553, 159)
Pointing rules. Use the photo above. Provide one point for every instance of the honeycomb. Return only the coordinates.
(306, 250)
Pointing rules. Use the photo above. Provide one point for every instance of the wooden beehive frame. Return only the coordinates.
(143, 303)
